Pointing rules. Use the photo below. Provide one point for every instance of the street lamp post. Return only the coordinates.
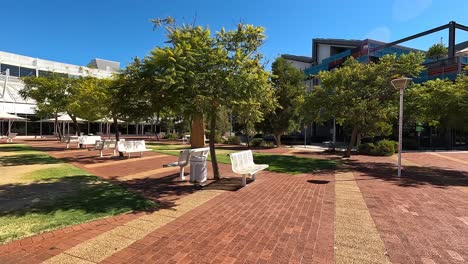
(400, 84)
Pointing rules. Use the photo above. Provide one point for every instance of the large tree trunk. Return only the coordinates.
(352, 142)
(117, 134)
(75, 124)
(277, 139)
(214, 161)
(197, 136)
(57, 128)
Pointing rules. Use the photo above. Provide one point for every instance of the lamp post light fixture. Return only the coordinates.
(400, 84)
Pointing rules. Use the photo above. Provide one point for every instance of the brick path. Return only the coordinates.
(422, 217)
(284, 217)
(280, 218)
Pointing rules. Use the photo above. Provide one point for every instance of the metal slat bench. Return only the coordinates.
(242, 163)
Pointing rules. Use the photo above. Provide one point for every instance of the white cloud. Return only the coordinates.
(380, 34)
(404, 10)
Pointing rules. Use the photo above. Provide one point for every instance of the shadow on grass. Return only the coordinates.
(295, 165)
(84, 193)
(26, 209)
(15, 147)
(28, 159)
(413, 176)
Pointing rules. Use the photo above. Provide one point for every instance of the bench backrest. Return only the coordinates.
(131, 146)
(88, 140)
(184, 157)
(241, 160)
(106, 144)
(12, 135)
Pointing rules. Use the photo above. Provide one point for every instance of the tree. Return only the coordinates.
(437, 51)
(360, 96)
(200, 73)
(51, 94)
(289, 89)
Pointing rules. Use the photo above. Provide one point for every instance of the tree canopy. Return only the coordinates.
(289, 90)
(360, 96)
(200, 72)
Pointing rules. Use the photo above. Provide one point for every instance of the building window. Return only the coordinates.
(14, 70)
(27, 72)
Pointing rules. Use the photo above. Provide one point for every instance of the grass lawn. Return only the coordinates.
(278, 163)
(56, 194)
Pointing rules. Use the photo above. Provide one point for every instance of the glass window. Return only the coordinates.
(44, 73)
(14, 70)
(27, 72)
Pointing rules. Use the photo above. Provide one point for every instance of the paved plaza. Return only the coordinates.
(359, 213)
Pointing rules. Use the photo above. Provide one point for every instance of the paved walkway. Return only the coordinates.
(362, 214)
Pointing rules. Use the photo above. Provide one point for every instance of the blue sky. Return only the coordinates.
(77, 31)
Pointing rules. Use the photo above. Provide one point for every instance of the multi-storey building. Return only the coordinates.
(14, 66)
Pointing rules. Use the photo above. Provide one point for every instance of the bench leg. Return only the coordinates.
(244, 179)
(100, 152)
(115, 153)
(254, 177)
(182, 176)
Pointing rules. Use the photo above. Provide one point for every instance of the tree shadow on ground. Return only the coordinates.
(413, 176)
(167, 190)
(84, 193)
(15, 148)
(28, 159)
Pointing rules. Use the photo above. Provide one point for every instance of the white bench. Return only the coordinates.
(101, 145)
(132, 146)
(88, 140)
(184, 158)
(11, 136)
(71, 139)
(242, 163)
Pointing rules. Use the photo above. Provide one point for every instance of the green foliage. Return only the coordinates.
(360, 96)
(200, 73)
(234, 140)
(441, 103)
(437, 51)
(289, 90)
(256, 142)
(381, 148)
(171, 136)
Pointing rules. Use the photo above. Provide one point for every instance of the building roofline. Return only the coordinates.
(305, 59)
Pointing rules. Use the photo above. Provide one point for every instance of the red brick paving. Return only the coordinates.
(417, 216)
(284, 219)
(278, 219)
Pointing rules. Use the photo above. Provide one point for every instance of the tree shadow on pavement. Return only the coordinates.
(412, 176)
(28, 159)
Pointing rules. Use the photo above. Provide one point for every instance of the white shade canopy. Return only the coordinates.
(107, 120)
(7, 116)
(63, 119)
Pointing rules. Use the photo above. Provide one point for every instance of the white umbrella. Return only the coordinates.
(10, 117)
(64, 119)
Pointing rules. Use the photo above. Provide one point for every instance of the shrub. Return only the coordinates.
(381, 148)
(171, 136)
(386, 148)
(218, 138)
(256, 142)
(366, 148)
(234, 140)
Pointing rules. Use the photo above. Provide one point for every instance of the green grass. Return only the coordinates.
(28, 159)
(59, 196)
(18, 149)
(293, 164)
(65, 170)
(278, 163)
